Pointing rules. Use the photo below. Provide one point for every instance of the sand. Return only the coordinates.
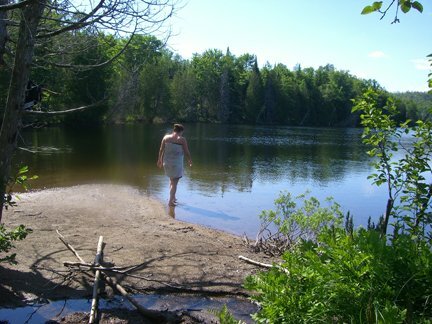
(174, 256)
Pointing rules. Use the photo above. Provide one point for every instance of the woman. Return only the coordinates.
(173, 148)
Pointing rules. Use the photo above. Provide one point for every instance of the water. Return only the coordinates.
(238, 171)
(55, 310)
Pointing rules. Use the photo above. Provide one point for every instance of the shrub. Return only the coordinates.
(344, 278)
(7, 237)
(358, 275)
(294, 219)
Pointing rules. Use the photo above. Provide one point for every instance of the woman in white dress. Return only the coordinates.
(172, 150)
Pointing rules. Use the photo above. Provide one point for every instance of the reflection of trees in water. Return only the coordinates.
(226, 157)
(235, 157)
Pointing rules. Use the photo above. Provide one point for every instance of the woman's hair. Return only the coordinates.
(178, 128)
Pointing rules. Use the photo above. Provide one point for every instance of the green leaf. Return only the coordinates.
(377, 5)
(367, 10)
(24, 169)
(405, 6)
(417, 5)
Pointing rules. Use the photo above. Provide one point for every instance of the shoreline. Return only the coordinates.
(174, 255)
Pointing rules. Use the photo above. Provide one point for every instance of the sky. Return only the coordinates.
(312, 33)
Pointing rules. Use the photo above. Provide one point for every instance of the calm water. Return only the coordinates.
(238, 171)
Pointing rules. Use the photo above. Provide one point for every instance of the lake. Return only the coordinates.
(238, 171)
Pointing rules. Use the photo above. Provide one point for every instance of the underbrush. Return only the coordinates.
(354, 277)
(332, 273)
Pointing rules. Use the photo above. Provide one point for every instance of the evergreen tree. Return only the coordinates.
(254, 94)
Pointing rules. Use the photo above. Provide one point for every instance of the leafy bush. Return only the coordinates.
(290, 222)
(21, 179)
(344, 278)
(348, 275)
(7, 237)
(225, 316)
(408, 179)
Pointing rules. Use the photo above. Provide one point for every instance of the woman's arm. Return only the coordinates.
(161, 153)
(186, 151)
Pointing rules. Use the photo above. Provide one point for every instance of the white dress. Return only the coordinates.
(173, 160)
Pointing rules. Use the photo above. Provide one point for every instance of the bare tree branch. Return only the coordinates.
(59, 112)
(78, 24)
(86, 67)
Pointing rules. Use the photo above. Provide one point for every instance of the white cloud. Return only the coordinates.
(377, 54)
(421, 64)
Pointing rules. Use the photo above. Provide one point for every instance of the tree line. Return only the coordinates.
(150, 83)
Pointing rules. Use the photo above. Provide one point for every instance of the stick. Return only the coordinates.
(260, 264)
(93, 267)
(156, 315)
(114, 270)
(94, 305)
(264, 265)
(146, 312)
(70, 247)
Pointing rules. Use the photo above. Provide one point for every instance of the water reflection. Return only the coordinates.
(238, 170)
(208, 213)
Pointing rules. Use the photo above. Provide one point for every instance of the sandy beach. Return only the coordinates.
(173, 256)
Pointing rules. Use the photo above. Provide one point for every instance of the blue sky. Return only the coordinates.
(312, 33)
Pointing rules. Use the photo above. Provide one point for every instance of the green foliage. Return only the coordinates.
(406, 178)
(291, 223)
(430, 74)
(225, 316)
(150, 83)
(21, 179)
(376, 6)
(361, 275)
(7, 237)
(404, 5)
(344, 278)
(414, 105)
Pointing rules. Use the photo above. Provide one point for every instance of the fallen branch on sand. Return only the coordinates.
(100, 273)
(93, 267)
(263, 265)
(273, 244)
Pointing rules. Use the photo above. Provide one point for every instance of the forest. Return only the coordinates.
(150, 83)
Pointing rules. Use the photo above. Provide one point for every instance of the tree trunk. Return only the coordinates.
(30, 17)
(3, 32)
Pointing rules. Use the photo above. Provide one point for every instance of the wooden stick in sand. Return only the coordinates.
(264, 265)
(94, 305)
(70, 247)
(156, 315)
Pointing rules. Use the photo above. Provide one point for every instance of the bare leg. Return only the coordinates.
(173, 190)
(171, 211)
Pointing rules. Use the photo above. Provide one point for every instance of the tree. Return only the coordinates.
(184, 93)
(207, 69)
(254, 94)
(42, 21)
